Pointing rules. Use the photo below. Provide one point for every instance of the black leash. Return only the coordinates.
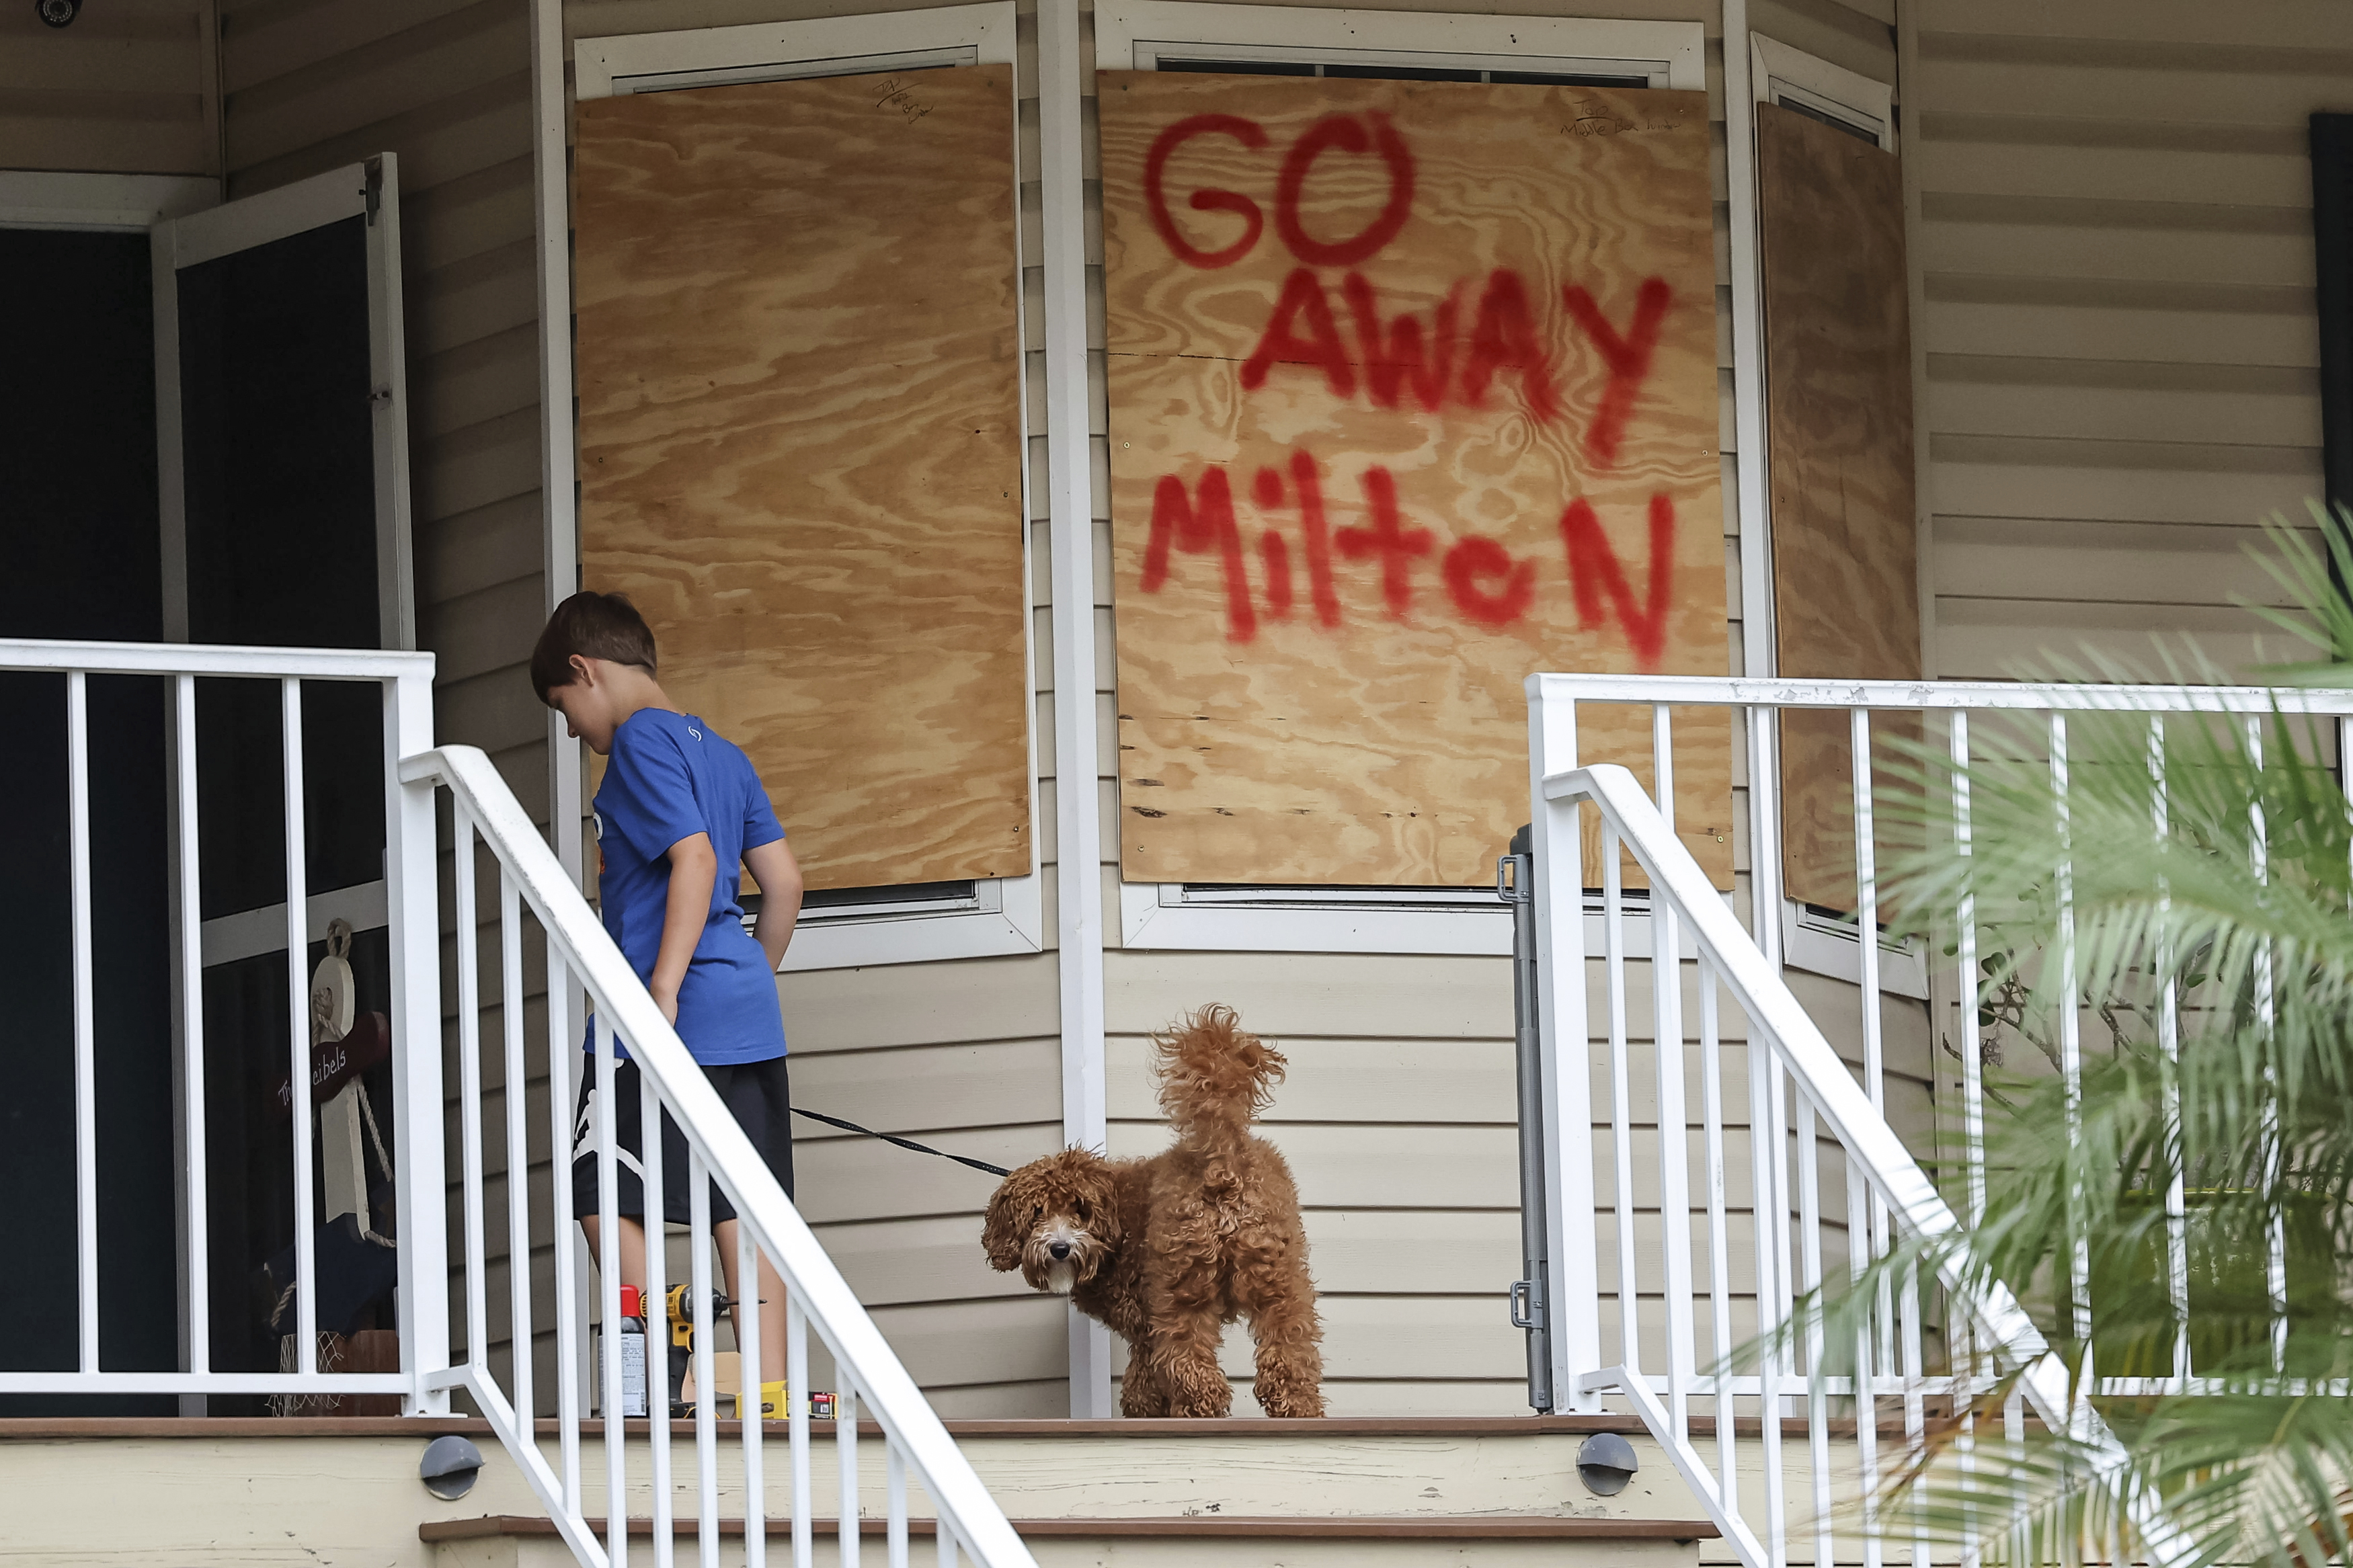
(902, 1142)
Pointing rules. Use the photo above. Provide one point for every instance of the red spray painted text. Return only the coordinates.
(1486, 585)
(1391, 361)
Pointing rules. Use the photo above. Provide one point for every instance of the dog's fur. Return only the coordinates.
(1165, 1251)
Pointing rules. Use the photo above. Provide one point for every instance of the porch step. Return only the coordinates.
(1240, 1493)
(513, 1540)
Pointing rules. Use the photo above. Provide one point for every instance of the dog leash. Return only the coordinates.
(902, 1142)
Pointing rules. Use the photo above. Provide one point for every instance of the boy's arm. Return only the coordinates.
(779, 876)
(693, 870)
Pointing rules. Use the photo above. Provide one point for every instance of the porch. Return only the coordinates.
(2118, 360)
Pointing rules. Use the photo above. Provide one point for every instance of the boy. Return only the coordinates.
(680, 813)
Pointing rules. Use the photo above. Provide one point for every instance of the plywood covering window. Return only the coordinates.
(1838, 419)
(800, 442)
(1412, 394)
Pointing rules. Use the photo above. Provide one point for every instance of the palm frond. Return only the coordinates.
(2190, 1185)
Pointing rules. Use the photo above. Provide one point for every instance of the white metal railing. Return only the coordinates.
(485, 820)
(406, 680)
(1826, 1181)
(916, 1446)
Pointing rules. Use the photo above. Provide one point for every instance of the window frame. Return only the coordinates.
(1815, 942)
(33, 199)
(1137, 35)
(1006, 915)
(1131, 33)
(1776, 70)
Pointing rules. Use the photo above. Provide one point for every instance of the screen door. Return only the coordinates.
(282, 472)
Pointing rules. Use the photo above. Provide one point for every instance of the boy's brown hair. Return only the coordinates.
(593, 626)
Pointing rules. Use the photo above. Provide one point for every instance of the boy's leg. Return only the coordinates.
(759, 1096)
(630, 1198)
(632, 1246)
(771, 1301)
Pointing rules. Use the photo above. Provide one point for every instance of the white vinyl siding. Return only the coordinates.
(2116, 247)
(130, 87)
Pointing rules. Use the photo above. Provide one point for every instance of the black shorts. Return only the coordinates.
(757, 1094)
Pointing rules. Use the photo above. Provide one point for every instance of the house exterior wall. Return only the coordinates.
(2115, 316)
(129, 89)
(2115, 263)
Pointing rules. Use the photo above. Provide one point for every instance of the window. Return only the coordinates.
(1804, 84)
(925, 920)
(1174, 35)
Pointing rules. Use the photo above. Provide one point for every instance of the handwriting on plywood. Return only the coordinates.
(1411, 396)
(800, 446)
(897, 94)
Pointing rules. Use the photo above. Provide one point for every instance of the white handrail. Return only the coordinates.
(1938, 695)
(211, 660)
(622, 1001)
(1780, 1023)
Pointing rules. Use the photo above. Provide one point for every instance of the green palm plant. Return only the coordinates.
(2208, 906)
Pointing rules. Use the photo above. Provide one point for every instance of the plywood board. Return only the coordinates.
(800, 445)
(1413, 393)
(1838, 356)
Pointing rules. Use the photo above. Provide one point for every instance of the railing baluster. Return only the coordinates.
(650, 1119)
(897, 1524)
(298, 997)
(1818, 1414)
(1763, 1197)
(1778, 1142)
(563, 1231)
(469, 1089)
(192, 1021)
(1719, 1248)
(1674, 1134)
(2276, 1272)
(1621, 1116)
(85, 1022)
(610, 1248)
(2071, 1044)
(1968, 989)
(1879, 1238)
(747, 1402)
(796, 1430)
(2168, 1041)
(1971, 986)
(844, 1442)
(1866, 1388)
(1915, 1425)
(705, 1359)
(518, 1105)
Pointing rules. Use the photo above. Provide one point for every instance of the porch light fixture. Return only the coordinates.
(1606, 1462)
(450, 1468)
(57, 12)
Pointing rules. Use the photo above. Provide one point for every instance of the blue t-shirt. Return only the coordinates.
(670, 778)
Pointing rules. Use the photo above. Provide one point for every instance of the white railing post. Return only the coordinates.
(412, 906)
(1572, 1301)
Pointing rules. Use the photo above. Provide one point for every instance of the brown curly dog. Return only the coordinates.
(1165, 1251)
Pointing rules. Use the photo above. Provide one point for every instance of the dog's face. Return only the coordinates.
(1056, 1219)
